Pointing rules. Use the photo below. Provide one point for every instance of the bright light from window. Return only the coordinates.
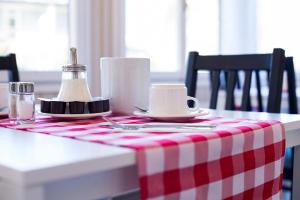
(37, 31)
(277, 26)
(202, 26)
(152, 30)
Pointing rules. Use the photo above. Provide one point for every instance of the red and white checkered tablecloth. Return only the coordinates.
(240, 159)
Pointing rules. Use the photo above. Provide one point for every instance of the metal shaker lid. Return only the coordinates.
(13, 87)
(25, 87)
(74, 67)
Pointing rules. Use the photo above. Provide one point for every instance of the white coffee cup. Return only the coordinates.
(3, 95)
(171, 99)
(126, 82)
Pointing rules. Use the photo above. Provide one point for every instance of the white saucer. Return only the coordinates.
(76, 116)
(182, 117)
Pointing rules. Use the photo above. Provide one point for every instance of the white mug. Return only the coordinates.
(126, 82)
(3, 95)
(171, 99)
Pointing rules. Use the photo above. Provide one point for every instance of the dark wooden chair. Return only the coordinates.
(273, 64)
(9, 63)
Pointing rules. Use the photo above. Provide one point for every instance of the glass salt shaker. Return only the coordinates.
(12, 100)
(25, 102)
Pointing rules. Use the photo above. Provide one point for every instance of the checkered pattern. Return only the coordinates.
(240, 159)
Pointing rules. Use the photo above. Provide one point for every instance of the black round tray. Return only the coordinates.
(97, 105)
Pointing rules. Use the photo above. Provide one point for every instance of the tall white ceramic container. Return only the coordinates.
(126, 82)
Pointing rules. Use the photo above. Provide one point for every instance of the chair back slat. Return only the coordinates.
(215, 81)
(258, 87)
(231, 82)
(246, 105)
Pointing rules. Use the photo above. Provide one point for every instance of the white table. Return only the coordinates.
(42, 167)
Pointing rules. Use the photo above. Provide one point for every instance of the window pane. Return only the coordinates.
(277, 26)
(202, 26)
(152, 30)
(37, 31)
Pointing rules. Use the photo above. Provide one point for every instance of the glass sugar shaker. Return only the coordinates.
(12, 100)
(25, 102)
(74, 85)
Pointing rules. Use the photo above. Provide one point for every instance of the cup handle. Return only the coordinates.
(196, 107)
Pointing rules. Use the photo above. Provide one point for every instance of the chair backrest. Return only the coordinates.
(9, 63)
(273, 63)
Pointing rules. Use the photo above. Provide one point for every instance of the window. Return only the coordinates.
(37, 31)
(152, 31)
(165, 30)
(202, 26)
(277, 26)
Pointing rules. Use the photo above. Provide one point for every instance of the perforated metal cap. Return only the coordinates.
(25, 87)
(74, 67)
(13, 87)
